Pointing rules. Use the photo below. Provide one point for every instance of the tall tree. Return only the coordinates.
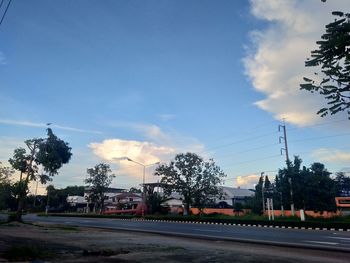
(320, 189)
(7, 200)
(257, 206)
(333, 55)
(342, 184)
(99, 179)
(49, 153)
(192, 177)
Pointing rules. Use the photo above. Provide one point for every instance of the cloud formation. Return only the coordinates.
(247, 181)
(143, 152)
(275, 61)
(44, 125)
(158, 146)
(332, 156)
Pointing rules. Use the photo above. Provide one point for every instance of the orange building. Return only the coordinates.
(343, 204)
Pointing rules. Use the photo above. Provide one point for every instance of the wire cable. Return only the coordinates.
(3, 16)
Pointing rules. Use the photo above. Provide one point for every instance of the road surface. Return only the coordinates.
(319, 239)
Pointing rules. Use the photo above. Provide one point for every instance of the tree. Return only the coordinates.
(154, 200)
(320, 189)
(135, 190)
(237, 207)
(313, 189)
(333, 55)
(49, 153)
(7, 200)
(58, 197)
(99, 179)
(342, 184)
(257, 206)
(192, 177)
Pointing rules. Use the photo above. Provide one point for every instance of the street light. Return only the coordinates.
(143, 179)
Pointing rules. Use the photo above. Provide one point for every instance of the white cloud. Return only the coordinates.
(247, 181)
(332, 156)
(142, 152)
(275, 63)
(158, 146)
(44, 125)
(170, 138)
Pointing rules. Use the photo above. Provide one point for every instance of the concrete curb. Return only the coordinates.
(240, 224)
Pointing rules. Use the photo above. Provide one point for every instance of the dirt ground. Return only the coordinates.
(55, 243)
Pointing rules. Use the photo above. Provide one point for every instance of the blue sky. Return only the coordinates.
(149, 79)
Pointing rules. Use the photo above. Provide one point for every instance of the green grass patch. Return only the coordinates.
(251, 219)
(90, 215)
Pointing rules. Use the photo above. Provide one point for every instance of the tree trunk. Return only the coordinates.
(186, 208)
(20, 207)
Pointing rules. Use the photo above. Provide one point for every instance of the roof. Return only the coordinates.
(233, 192)
(127, 195)
(108, 190)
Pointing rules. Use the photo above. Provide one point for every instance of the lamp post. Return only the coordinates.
(143, 179)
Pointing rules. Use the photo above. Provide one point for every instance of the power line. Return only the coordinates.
(240, 141)
(7, 7)
(259, 159)
(322, 137)
(249, 150)
(247, 131)
(318, 124)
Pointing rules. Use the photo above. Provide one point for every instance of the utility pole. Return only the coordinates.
(262, 191)
(284, 137)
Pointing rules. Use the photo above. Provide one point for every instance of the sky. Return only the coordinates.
(149, 79)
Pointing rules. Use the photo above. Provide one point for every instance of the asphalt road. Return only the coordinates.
(319, 239)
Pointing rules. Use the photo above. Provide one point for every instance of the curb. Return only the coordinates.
(241, 224)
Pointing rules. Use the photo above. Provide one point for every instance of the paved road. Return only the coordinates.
(321, 239)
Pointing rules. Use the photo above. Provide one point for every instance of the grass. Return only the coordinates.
(253, 219)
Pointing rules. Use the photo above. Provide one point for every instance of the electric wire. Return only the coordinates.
(3, 16)
(321, 137)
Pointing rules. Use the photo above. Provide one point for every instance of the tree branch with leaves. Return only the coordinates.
(192, 177)
(49, 153)
(333, 56)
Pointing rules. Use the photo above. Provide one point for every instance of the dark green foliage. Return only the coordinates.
(192, 177)
(237, 207)
(342, 184)
(333, 56)
(257, 207)
(320, 189)
(49, 153)
(135, 190)
(58, 197)
(154, 199)
(99, 179)
(313, 189)
(7, 197)
(52, 153)
(19, 160)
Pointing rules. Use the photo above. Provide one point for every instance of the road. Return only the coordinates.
(319, 239)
